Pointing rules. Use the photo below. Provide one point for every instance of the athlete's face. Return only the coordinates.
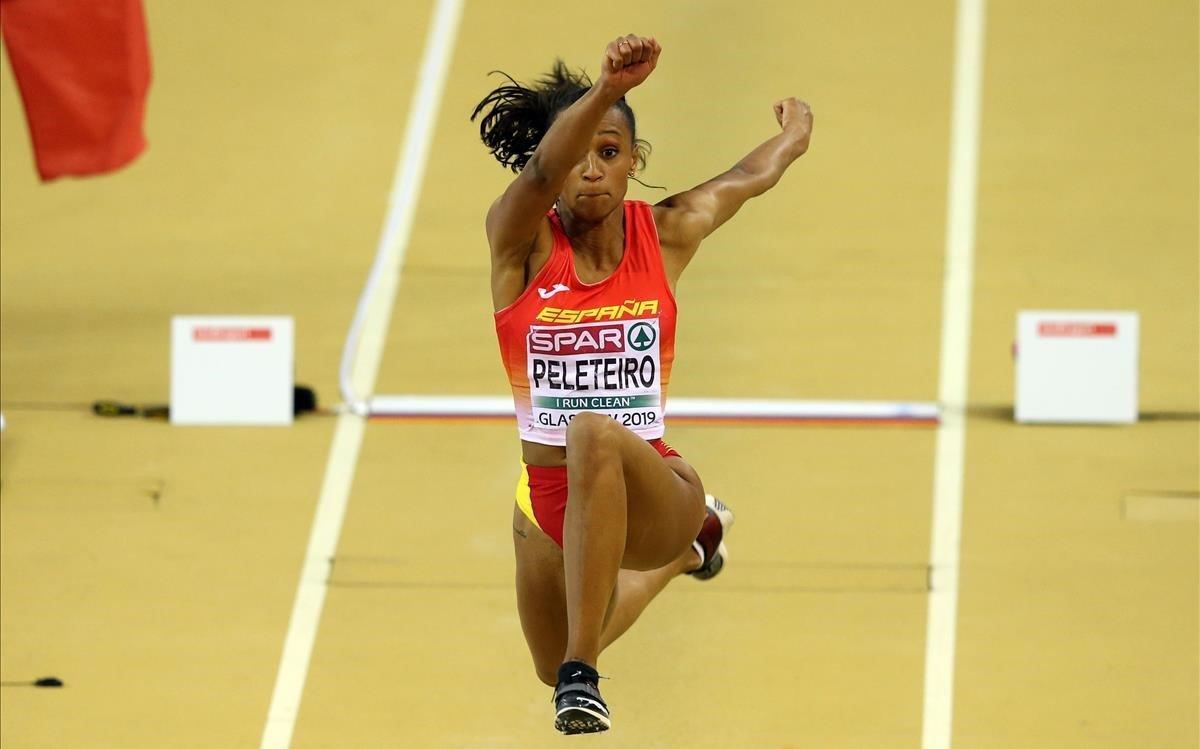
(597, 184)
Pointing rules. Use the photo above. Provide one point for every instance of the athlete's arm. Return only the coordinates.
(684, 220)
(516, 222)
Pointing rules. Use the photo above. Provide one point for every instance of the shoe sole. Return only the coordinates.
(572, 720)
(724, 514)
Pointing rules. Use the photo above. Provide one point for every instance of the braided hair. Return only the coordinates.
(516, 117)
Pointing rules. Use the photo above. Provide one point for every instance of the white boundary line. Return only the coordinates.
(717, 408)
(373, 315)
(364, 343)
(952, 388)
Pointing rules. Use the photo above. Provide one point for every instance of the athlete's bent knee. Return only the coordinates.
(591, 434)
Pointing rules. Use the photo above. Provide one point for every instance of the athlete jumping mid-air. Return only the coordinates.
(583, 289)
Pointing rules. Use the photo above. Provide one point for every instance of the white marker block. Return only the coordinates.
(231, 370)
(1077, 367)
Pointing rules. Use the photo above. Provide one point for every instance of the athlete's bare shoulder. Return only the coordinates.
(680, 231)
(677, 223)
(543, 244)
(513, 272)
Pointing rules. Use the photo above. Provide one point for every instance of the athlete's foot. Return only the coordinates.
(709, 545)
(578, 706)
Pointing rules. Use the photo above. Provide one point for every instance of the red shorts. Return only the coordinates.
(542, 493)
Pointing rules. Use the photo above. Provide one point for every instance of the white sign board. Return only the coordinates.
(1077, 367)
(231, 370)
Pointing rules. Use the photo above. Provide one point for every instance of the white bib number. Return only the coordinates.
(613, 368)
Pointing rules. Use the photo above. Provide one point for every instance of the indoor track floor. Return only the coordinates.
(153, 568)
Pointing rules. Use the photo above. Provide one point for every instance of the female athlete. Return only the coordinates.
(583, 287)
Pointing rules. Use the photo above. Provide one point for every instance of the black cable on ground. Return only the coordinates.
(304, 400)
(45, 681)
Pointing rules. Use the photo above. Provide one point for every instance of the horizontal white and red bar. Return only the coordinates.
(679, 410)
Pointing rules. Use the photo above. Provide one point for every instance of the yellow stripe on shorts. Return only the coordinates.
(524, 499)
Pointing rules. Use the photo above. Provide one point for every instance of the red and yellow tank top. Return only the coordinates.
(607, 347)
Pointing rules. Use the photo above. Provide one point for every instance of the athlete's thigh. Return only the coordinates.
(541, 596)
(664, 504)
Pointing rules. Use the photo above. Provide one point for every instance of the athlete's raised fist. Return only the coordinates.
(627, 62)
(795, 117)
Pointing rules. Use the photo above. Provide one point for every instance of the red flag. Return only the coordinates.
(83, 68)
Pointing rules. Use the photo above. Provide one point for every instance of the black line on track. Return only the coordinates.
(716, 589)
(836, 565)
(1004, 412)
(402, 585)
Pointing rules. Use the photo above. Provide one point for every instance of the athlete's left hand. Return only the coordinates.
(795, 117)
